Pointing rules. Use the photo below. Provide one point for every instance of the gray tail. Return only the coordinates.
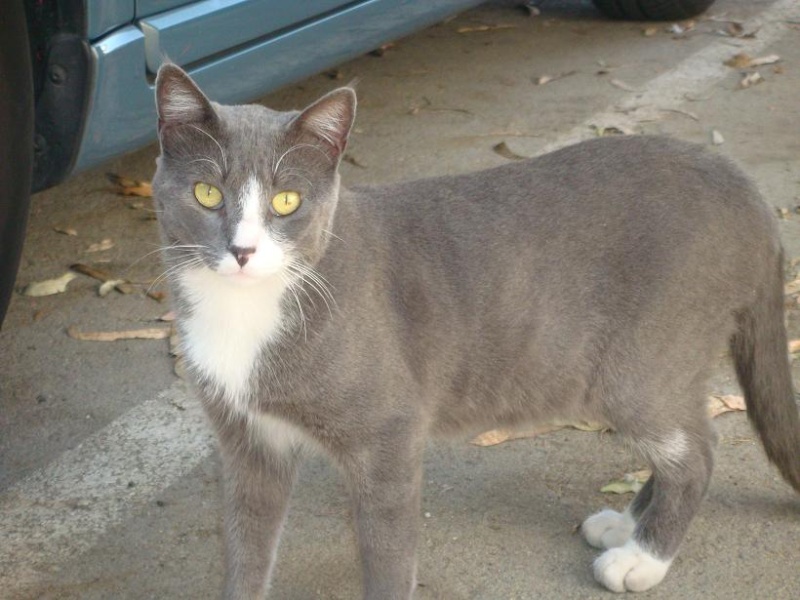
(760, 356)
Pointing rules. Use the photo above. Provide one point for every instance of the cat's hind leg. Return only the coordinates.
(611, 529)
(681, 459)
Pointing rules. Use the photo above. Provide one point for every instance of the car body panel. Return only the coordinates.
(103, 16)
(121, 114)
(194, 32)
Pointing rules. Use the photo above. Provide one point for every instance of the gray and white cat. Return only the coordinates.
(597, 282)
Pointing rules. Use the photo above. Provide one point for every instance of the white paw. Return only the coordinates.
(608, 529)
(629, 568)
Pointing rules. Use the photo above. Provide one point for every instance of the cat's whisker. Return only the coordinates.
(195, 260)
(291, 286)
(292, 149)
(295, 172)
(208, 160)
(160, 249)
(213, 139)
(333, 235)
(316, 282)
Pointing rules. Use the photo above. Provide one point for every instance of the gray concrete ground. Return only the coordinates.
(108, 479)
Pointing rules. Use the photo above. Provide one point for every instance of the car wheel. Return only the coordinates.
(652, 10)
(16, 143)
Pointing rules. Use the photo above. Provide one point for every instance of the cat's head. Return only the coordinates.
(243, 191)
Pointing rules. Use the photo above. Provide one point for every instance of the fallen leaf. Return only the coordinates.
(335, 74)
(168, 317)
(605, 130)
(750, 79)
(157, 295)
(101, 246)
(716, 138)
(739, 61)
(622, 85)
(350, 159)
(66, 230)
(719, 404)
(151, 333)
(630, 483)
(49, 287)
(179, 368)
(792, 287)
(503, 150)
(778, 69)
(649, 31)
(783, 213)
(498, 436)
(794, 346)
(482, 28)
(125, 186)
(545, 79)
(769, 59)
(108, 286)
(745, 61)
(381, 50)
(123, 286)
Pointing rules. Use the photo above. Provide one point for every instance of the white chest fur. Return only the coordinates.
(228, 328)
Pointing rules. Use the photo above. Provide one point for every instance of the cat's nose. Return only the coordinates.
(242, 254)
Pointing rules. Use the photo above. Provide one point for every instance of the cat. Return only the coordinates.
(597, 282)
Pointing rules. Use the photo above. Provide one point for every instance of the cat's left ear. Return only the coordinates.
(330, 119)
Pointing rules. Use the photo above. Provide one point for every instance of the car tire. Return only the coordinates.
(652, 10)
(16, 143)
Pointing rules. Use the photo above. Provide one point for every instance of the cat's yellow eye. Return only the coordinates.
(285, 203)
(208, 195)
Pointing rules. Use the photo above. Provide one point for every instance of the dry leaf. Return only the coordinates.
(157, 295)
(649, 31)
(739, 61)
(109, 282)
(783, 213)
(151, 333)
(108, 286)
(49, 287)
(750, 79)
(630, 483)
(716, 138)
(380, 51)
(125, 186)
(101, 246)
(503, 150)
(481, 28)
(179, 368)
(792, 287)
(544, 79)
(769, 59)
(794, 346)
(66, 230)
(745, 61)
(719, 404)
(498, 436)
(350, 159)
(622, 85)
(602, 130)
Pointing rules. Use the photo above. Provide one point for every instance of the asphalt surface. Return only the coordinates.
(109, 486)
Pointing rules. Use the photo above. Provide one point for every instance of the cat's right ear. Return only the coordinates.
(178, 99)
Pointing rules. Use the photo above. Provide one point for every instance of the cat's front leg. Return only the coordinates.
(386, 483)
(259, 471)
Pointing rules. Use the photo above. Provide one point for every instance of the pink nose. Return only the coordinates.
(242, 254)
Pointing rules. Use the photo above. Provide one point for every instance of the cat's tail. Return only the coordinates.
(760, 356)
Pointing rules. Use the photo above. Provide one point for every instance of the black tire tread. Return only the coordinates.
(652, 10)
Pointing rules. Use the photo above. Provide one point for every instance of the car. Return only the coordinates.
(78, 75)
